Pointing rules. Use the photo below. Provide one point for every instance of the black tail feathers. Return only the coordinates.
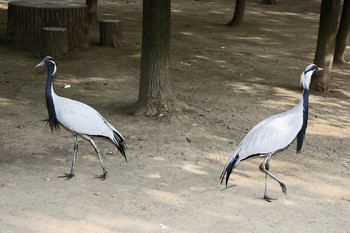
(120, 143)
(228, 169)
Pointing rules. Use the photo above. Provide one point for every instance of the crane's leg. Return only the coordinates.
(71, 174)
(267, 167)
(264, 166)
(103, 176)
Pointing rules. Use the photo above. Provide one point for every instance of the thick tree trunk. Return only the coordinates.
(238, 15)
(92, 10)
(27, 18)
(325, 44)
(343, 34)
(155, 92)
(54, 42)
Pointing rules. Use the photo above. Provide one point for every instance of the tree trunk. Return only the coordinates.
(54, 42)
(92, 10)
(325, 44)
(238, 15)
(270, 2)
(27, 18)
(111, 33)
(155, 92)
(343, 34)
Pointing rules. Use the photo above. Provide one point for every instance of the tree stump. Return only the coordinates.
(54, 42)
(92, 10)
(27, 18)
(111, 33)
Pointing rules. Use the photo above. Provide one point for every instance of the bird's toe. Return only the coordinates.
(67, 176)
(268, 199)
(103, 176)
(284, 188)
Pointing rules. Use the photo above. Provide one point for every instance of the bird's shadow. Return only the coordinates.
(100, 177)
(230, 186)
(66, 176)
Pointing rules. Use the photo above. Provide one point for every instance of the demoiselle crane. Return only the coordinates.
(79, 118)
(273, 134)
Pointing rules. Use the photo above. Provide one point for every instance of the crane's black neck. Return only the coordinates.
(301, 133)
(53, 122)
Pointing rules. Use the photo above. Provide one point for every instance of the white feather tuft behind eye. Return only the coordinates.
(305, 79)
(55, 68)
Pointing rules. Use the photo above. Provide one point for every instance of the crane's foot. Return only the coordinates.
(103, 176)
(67, 176)
(284, 188)
(268, 199)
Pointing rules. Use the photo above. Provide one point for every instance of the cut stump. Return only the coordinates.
(54, 42)
(111, 33)
(27, 18)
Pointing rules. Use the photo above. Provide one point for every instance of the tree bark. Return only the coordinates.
(92, 10)
(325, 44)
(54, 42)
(111, 33)
(270, 2)
(343, 34)
(27, 18)
(238, 15)
(155, 93)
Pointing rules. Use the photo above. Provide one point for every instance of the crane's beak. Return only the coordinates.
(40, 64)
(319, 69)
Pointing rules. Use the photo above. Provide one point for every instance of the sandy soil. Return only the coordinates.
(230, 77)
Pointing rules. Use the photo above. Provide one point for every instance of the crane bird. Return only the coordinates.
(273, 134)
(78, 117)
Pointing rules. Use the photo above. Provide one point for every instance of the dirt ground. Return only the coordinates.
(231, 78)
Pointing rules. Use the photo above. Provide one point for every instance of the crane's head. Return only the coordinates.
(305, 78)
(48, 61)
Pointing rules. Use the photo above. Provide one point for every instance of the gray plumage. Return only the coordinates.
(273, 134)
(78, 117)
